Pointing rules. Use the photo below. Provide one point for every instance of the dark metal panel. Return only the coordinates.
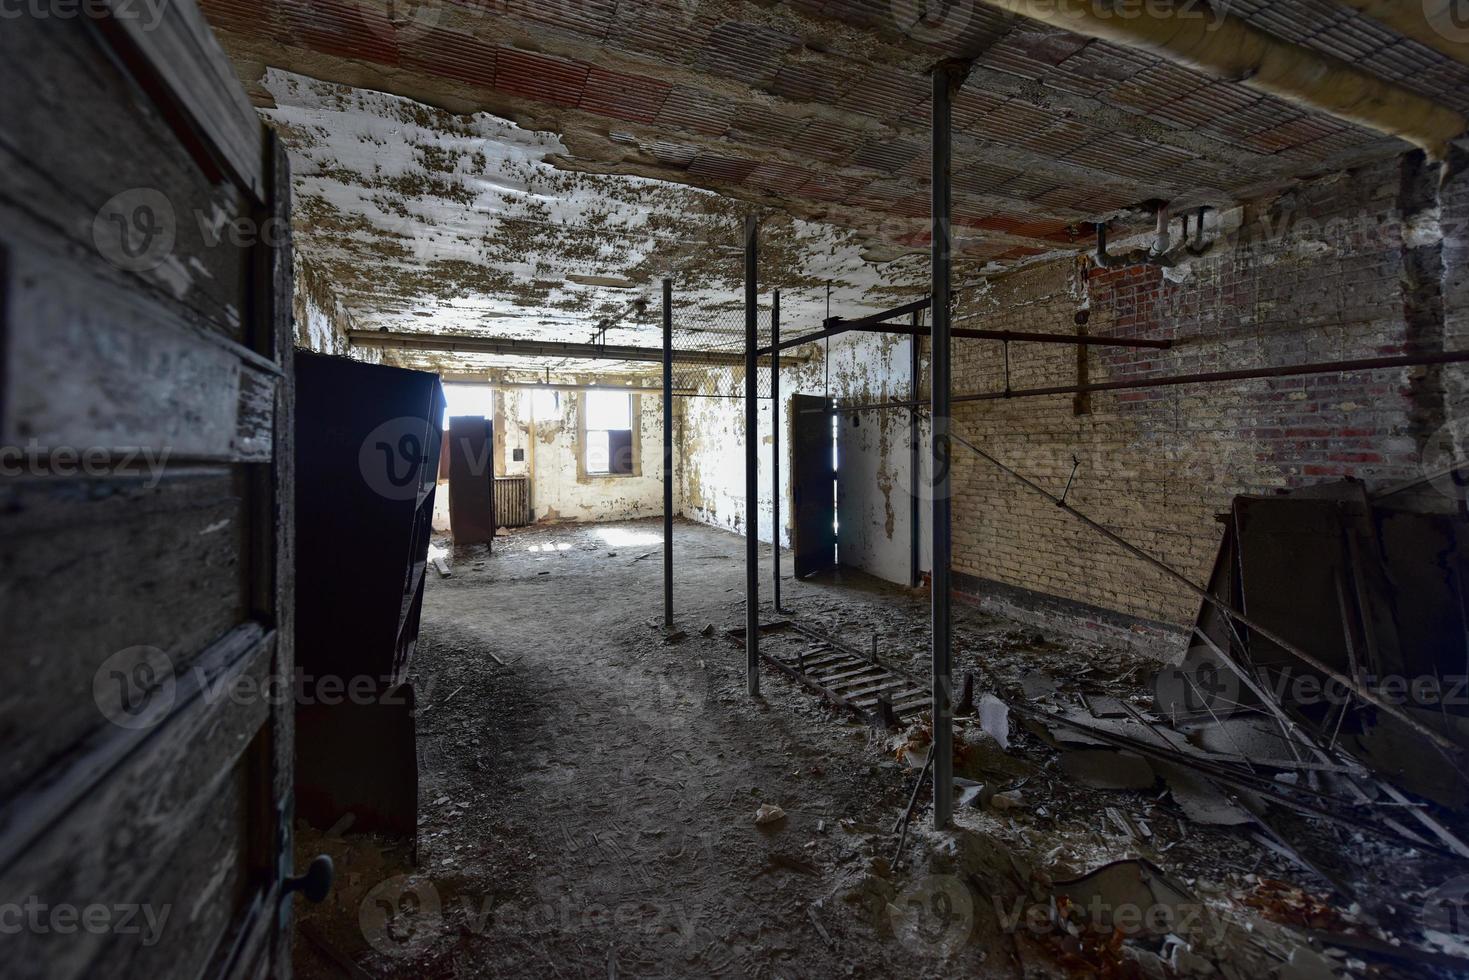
(914, 467)
(668, 453)
(814, 540)
(775, 449)
(471, 505)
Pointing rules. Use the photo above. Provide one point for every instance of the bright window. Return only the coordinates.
(609, 443)
(468, 400)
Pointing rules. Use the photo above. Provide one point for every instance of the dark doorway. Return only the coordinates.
(812, 481)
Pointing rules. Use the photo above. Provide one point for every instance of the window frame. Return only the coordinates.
(635, 438)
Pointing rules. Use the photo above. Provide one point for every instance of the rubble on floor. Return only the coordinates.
(1261, 798)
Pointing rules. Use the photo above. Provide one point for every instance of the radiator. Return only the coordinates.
(512, 501)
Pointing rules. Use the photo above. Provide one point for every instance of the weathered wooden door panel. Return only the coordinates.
(812, 487)
(145, 519)
(91, 154)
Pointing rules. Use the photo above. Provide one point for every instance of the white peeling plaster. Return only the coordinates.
(347, 144)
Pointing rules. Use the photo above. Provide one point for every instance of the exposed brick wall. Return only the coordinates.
(1321, 274)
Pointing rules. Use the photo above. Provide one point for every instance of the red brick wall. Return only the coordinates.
(1324, 273)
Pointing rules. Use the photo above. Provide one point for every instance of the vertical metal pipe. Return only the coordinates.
(915, 561)
(752, 461)
(940, 371)
(775, 446)
(668, 453)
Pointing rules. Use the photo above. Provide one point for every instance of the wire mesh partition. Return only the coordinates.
(709, 350)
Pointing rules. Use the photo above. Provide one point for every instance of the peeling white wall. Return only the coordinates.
(551, 448)
(874, 476)
(874, 479)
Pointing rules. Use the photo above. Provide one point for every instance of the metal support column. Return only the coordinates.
(752, 460)
(946, 78)
(668, 453)
(775, 447)
(914, 467)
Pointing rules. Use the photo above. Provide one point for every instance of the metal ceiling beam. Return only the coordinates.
(458, 344)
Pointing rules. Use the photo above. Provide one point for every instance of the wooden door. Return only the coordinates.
(145, 523)
(812, 485)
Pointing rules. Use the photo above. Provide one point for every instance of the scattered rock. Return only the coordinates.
(768, 814)
(1013, 800)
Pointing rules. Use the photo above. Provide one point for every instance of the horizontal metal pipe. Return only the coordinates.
(907, 309)
(1018, 336)
(450, 379)
(868, 325)
(537, 348)
(1245, 374)
(809, 338)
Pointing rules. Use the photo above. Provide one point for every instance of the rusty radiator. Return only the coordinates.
(512, 501)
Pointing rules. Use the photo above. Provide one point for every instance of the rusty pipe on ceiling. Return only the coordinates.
(1217, 43)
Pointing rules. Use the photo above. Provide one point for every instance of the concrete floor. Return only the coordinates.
(588, 792)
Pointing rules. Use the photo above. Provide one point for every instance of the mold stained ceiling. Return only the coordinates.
(814, 111)
(434, 222)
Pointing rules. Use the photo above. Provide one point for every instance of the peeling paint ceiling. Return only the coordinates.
(813, 109)
(427, 221)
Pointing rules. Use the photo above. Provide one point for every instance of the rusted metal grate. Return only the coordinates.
(880, 693)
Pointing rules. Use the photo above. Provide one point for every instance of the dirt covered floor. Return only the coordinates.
(589, 794)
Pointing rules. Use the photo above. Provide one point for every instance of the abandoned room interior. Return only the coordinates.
(712, 488)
